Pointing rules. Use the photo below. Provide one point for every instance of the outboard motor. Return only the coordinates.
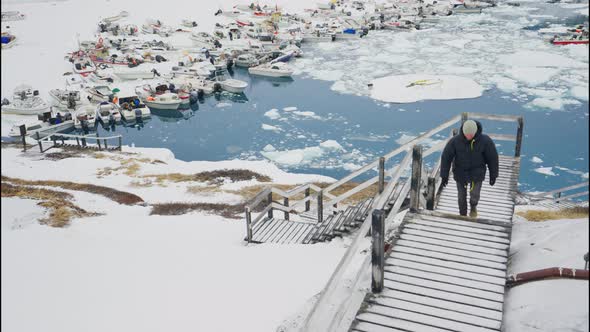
(85, 127)
(5, 101)
(35, 92)
(137, 114)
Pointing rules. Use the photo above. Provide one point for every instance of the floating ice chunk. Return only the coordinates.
(459, 43)
(536, 160)
(269, 148)
(294, 157)
(307, 114)
(290, 109)
(545, 171)
(583, 11)
(415, 87)
(532, 75)
(579, 92)
(273, 114)
(271, 128)
(504, 83)
(539, 59)
(331, 145)
(220, 105)
(350, 167)
(552, 103)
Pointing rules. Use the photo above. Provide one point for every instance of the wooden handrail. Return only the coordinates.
(560, 190)
(494, 117)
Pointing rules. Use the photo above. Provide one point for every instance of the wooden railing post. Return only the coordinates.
(39, 141)
(269, 198)
(519, 137)
(286, 203)
(120, 143)
(378, 250)
(248, 224)
(320, 206)
(307, 203)
(416, 178)
(558, 196)
(381, 174)
(464, 117)
(430, 193)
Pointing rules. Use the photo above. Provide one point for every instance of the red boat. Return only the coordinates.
(243, 23)
(557, 41)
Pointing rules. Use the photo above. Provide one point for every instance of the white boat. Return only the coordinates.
(229, 84)
(189, 23)
(25, 101)
(202, 39)
(317, 37)
(65, 99)
(195, 84)
(156, 27)
(126, 73)
(246, 60)
(12, 16)
(133, 109)
(108, 113)
(165, 101)
(277, 69)
(121, 15)
(99, 93)
(191, 72)
(83, 64)
(462, 9)
(8, 40)
(84, 118)
(45, 126)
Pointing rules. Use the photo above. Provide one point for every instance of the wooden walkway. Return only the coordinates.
(445, 272)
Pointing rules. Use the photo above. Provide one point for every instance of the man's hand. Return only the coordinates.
(492, 181)
(444, 182)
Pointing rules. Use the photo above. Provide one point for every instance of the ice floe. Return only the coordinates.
(545, 171)
(273, 114)
(536, 160)
(556, 104)
(304, 155)
(416, 87)
(271, 128)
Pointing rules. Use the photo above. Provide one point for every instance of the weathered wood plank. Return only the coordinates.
(370, 327)
(453, 265)
(502, 254)
(292, 233)
(491, 216)
(461, 234)
(405, 325)
(438, 312)
(450, 257)
(454, 251)
(443, 220)
(457, 239)
(462, 228)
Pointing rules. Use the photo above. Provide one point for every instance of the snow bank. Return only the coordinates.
(535, 307)
(416, 87)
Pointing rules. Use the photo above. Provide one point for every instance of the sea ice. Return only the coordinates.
(545, 171)
(273, 114)
(270, 128)
(536, 160)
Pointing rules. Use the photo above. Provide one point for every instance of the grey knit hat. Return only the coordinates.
(469, 127)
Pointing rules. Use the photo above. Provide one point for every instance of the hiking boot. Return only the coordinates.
(473, 212)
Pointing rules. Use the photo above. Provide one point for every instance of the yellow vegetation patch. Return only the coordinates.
(61, 209)
(542, 215)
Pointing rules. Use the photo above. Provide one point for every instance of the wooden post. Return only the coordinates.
(286, 203)
(307, 203)
(269, 203)
(77, 141)
(519, 137)
(381, 174)
(84, 141)
(105, 144)
(63, 141)
(97, 141)
(39, 142)
(248, 224)
(464, 117)
(416, 178)
(430, 193)
(320, 206)
(120, 143)
(558, 196)
(378, 250)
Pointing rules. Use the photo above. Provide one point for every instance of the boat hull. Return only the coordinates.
(162, 106)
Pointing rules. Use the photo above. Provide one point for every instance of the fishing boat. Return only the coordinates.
(229, 84)
(45, 125)
(195, 84)
(8, 40)
(277, 69)
(318, 37)
(165, 101)
(188, 23)
(84, 118)
(108, 113)
(133, 109)
(184, 71)
(83, 64)
(25, 101)
(152, 26)
(570, 40)
(117, 17)
(202, 39)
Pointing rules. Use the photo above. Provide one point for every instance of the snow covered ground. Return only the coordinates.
(549, 305)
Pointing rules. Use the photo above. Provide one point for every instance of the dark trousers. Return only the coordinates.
(474, 191)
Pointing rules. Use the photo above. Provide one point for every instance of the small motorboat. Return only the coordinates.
(318, 37)
(246, 60)
(25, 101)
(156, 27)
(228, 84)
(570, 40)
(190, 72)
(133, 73)
(195, 84)
(165, 101)
(99, 93)
(84, 118)
(108, 113)
(277, 69)
(189, 23)
(46, 125)
(133, 109)
(83, 64)
(12, 16)
(8, 40)
(203, 39)
(65, 99)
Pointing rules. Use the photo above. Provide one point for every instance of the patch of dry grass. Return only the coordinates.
(542, 215)
(61, 209)
(120, 197)
(202, 190)
(174, 209)
(211, 177)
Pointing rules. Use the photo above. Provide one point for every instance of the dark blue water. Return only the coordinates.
(227, 126)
